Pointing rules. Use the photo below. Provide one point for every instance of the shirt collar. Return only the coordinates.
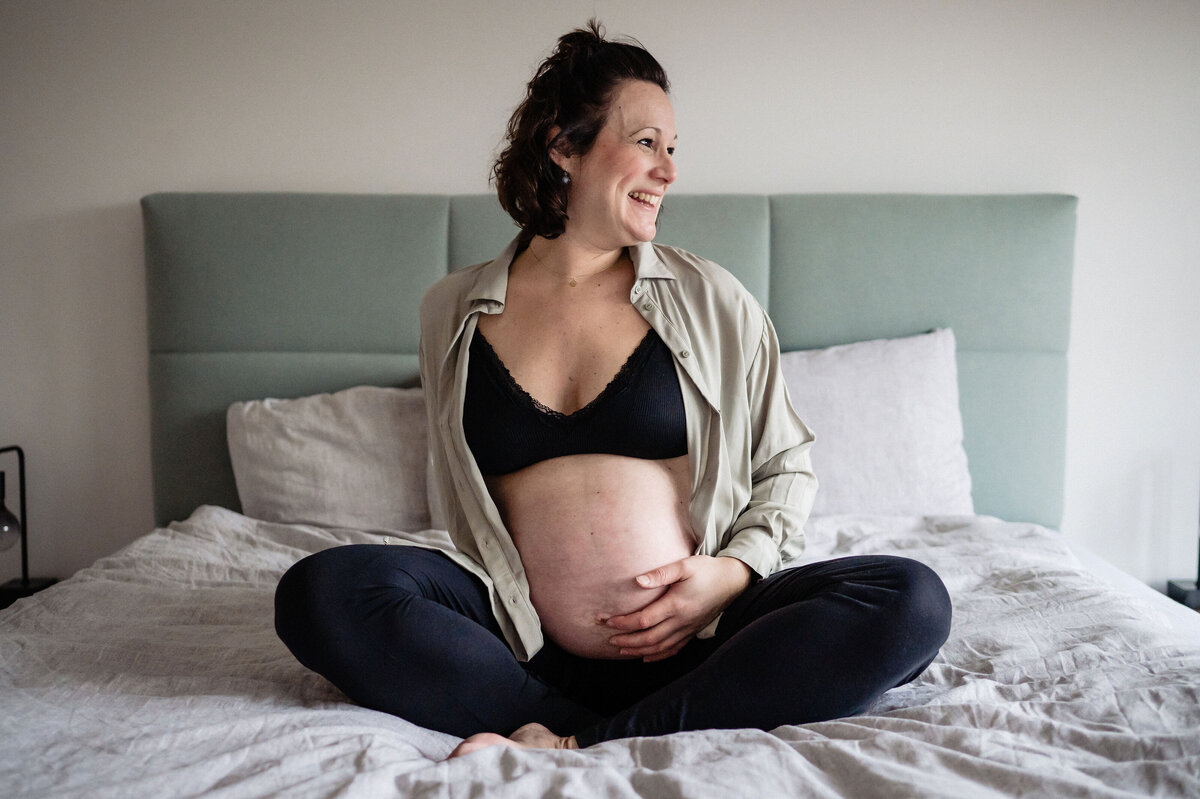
(491, 284)
(646, 263)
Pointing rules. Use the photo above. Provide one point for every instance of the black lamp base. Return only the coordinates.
(1185, 591)
(13, 590)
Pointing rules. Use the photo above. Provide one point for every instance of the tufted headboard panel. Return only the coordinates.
(257, 295)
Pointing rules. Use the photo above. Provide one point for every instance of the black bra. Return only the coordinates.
(639, 413)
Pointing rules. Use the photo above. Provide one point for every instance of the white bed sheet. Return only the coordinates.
(1183, 619)
(156, 672)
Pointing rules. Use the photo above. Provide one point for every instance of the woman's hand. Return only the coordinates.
(698, 589)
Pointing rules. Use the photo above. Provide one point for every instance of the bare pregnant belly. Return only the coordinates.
(586, 526)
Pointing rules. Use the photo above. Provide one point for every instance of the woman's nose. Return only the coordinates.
(666, 169)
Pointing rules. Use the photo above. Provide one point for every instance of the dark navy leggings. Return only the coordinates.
(407, 631)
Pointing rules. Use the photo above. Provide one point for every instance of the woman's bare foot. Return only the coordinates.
(531, 736)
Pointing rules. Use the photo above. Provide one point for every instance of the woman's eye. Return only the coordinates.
(650, 145)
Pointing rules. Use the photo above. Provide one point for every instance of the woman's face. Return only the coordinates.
(617, 186)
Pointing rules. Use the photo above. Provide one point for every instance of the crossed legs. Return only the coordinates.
(406, 631)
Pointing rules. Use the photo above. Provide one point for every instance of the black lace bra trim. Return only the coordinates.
(639, 413)
(619, 382)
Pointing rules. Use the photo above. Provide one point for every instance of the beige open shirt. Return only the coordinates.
(752, 479)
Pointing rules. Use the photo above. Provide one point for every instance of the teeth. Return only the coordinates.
(646, 198)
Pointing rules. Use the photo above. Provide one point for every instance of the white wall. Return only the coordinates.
(103, 101)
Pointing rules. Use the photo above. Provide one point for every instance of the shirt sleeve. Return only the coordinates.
(770, 529)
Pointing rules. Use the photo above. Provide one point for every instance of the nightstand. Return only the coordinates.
(1185, 592)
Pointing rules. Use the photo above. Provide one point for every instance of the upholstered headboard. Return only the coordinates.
(257, 295)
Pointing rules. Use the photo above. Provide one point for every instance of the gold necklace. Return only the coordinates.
(571, 281)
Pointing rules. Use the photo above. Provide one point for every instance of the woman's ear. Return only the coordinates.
(556, 150)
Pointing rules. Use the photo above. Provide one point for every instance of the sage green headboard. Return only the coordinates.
(257, 295)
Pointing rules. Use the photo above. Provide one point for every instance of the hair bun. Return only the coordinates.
(583, 41)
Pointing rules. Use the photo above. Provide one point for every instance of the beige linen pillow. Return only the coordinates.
(353, 459)
(888, 426)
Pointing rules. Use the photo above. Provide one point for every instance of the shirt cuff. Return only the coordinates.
(755, 547)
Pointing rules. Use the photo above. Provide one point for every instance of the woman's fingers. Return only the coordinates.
(651, 637)
(698, 588)
(647, 618)
(660, 649)
(665, 575)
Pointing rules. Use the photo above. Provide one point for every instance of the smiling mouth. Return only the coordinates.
(649, 200)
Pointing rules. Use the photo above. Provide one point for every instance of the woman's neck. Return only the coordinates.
(567, 259)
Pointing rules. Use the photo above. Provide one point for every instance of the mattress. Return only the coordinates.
(156, 672)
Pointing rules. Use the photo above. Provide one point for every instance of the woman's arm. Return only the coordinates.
(769, 528)
(783, 487)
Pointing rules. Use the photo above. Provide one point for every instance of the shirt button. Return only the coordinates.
(647, 306)
(684, 354)
(637, 289)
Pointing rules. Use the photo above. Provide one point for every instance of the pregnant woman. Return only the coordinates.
(620, 470)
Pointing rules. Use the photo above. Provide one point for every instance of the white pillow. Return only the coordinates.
(888, 427)
(353, 459)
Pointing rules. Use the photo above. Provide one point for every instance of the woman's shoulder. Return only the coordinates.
(443, 297)
(455, 293)
(709, 301)
(453, 287)
(702, 277)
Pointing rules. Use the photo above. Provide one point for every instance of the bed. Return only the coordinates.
(926, 343)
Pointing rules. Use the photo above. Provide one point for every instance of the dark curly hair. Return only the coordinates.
(571, 89)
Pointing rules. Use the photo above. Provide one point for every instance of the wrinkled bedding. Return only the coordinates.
(156, 672)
